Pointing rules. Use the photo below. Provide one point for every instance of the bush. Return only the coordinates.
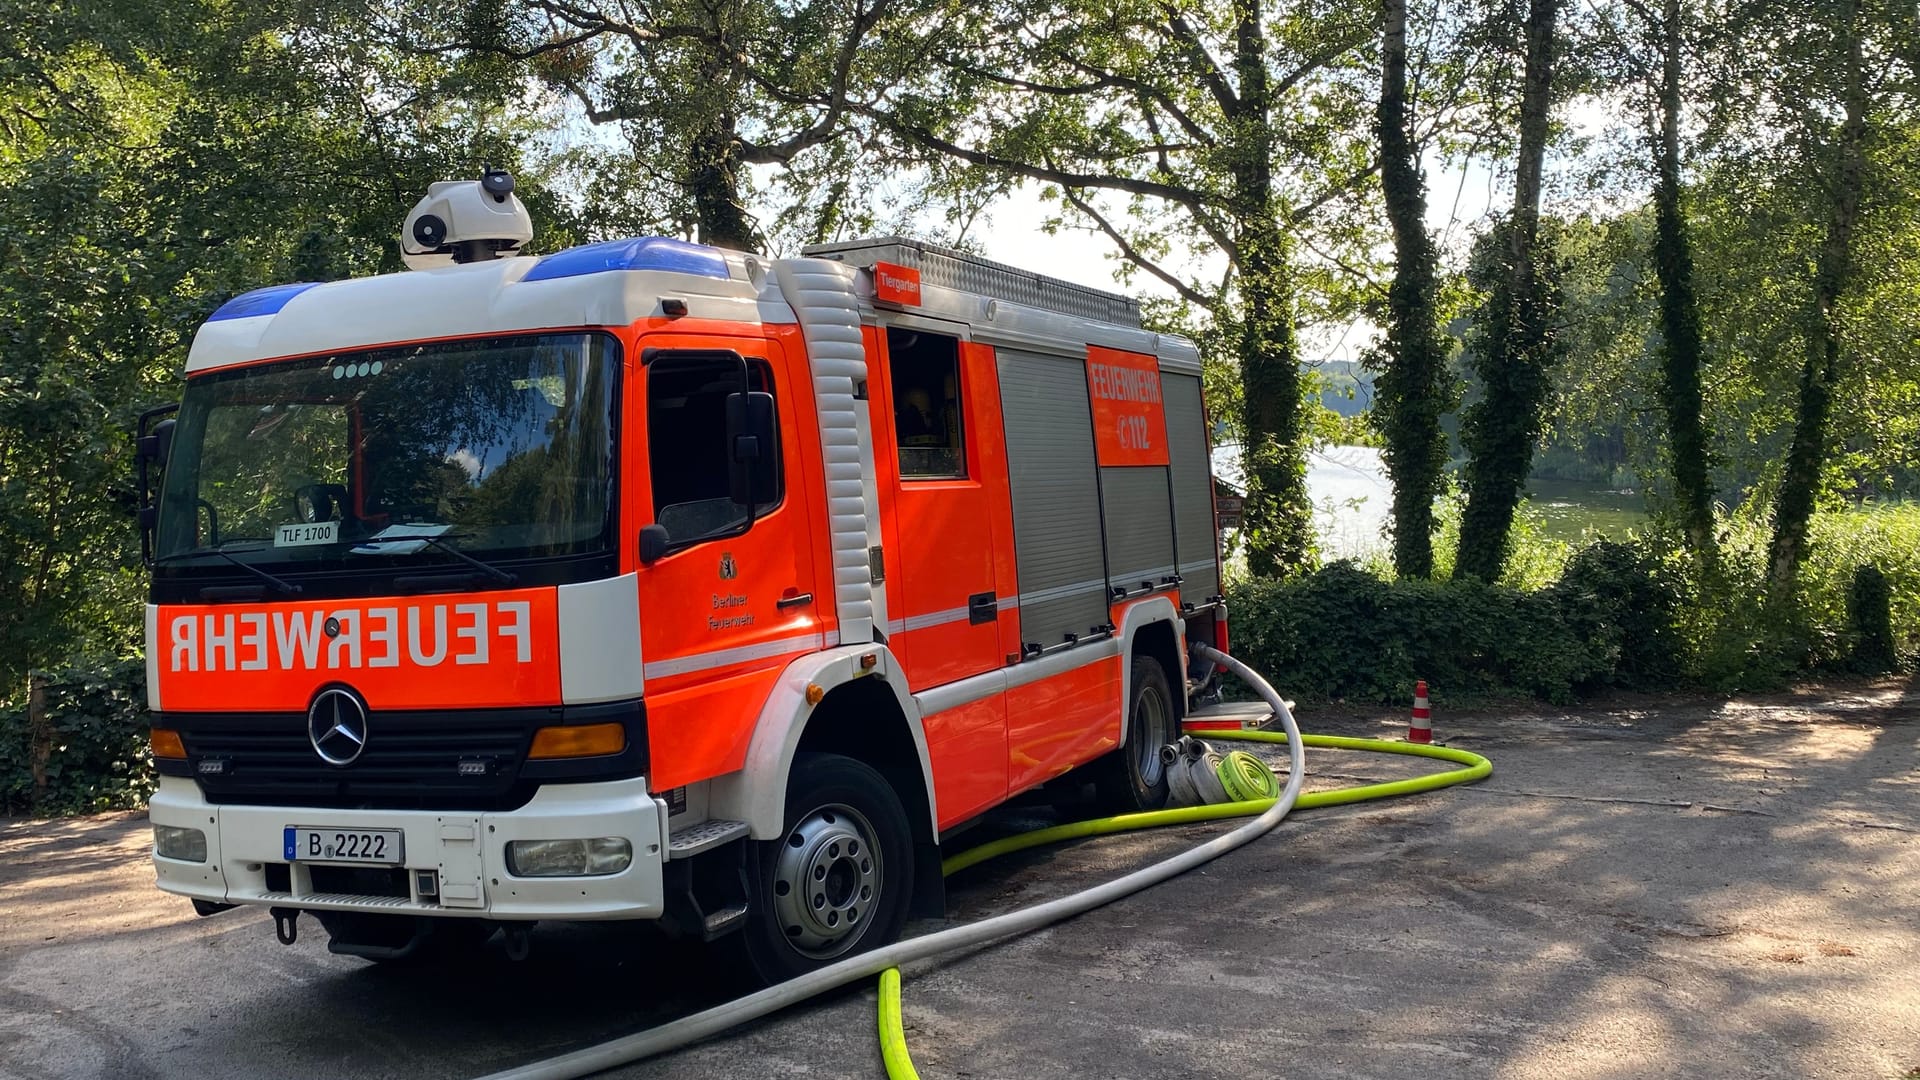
(1344, 634)
(1870, 622)
(1641, 614)
(1738, 643)
(1624, 601)
(100, 760)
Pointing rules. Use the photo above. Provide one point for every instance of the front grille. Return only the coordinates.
(452, 760)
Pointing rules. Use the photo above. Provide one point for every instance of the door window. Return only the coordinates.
(688, 446)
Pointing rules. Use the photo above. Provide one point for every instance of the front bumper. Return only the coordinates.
(465, 854)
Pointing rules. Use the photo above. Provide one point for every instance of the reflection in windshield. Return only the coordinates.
(506, 442)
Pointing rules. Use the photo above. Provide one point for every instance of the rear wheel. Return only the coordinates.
(1132, 778)
(838, 880)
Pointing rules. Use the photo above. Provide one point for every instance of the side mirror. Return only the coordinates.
(156, 447)
(152, 444)
(752, 449)
(654, 541)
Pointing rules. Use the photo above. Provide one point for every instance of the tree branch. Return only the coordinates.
(1160, 97)
(1179, 31)
(1316, 62)
(1186, 197)
(1298, 215)
(823, 129)
(1132, 254)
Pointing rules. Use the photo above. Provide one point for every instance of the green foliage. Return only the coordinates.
(1644, 614)
(1514, 351)
(1870, 621)
(1534, 558)
(1341, 633)
(155, 160)
(1624, 601)
(99, 759)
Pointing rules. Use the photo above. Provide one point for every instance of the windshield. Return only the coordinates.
(502, 448)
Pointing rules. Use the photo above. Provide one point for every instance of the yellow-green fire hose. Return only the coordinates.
(1246, 778)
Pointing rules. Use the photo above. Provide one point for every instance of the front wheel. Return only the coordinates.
(838, 881)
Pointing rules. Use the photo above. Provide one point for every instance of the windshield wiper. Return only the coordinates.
(280, 585)
(439, 540)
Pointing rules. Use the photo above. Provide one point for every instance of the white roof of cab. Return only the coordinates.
(497, 296)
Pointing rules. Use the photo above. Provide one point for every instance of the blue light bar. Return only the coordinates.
(642, 253)
(267, 301)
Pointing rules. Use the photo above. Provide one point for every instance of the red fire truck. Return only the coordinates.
(649, 580)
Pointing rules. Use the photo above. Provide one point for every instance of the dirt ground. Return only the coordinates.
(1643, 888)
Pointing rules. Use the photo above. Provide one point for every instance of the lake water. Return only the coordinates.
(1353, 501)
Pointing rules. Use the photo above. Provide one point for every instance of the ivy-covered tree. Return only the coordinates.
(1815, 154)
(1682, 347)
(1516, 342)
(1413, 389)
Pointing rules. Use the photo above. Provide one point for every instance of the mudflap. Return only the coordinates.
(929, 900)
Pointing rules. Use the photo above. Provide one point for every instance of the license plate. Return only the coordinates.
(383, 846)
(317, 532)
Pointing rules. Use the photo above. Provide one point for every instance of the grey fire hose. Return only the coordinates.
(689, 1029)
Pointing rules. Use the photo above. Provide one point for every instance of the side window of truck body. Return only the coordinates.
(928, 424)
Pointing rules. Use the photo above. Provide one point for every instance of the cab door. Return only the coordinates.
(732, 599)
(934, 419)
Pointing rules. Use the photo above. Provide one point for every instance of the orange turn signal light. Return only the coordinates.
(579, 740)
(166, 743)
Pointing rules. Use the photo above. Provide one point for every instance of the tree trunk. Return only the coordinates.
(1806, 455)
(1681, 351)
(714, 150)
(1501, 429)
(719, 209)
(1410, 390)
(1279, 516)
(39, 736)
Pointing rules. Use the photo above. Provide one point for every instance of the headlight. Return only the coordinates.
(173, 842)
(569, 858)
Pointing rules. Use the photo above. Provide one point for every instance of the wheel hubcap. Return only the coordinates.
(1152, 730)
(826, 880)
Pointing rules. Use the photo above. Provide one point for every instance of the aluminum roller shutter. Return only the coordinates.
(1056, 502)
(1139, 516)
(1195, 540)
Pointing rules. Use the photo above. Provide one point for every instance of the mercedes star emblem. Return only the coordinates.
(337, 726)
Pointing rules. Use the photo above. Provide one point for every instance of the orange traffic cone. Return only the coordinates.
(1420, 728)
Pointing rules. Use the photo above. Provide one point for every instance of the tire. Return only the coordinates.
(846, 860)
(1132, 778)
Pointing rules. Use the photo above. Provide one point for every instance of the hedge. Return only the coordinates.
(99, 759)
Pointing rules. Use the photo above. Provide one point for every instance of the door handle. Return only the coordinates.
(793, 601)
(982, 608)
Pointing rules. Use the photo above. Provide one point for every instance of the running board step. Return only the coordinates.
(724, 920)
(694, 839)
